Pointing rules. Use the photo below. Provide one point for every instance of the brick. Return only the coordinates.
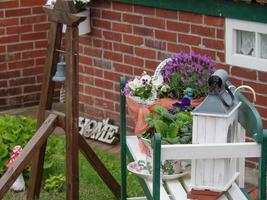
(12, 57)
(145, 53)
(220, 33)
(9, 22)
(214, 21)
(9, 74)
(34, 54)
(131, 39)
(144, 10)
(261, 100)
(235, 81)
(33, 19)
(223, 66)
(2, 31)
(123, 48)
(177, 26)
(32, 71)
(85, 60)
(11, 91)
(111, 76)
(19, 29)
(1, 13)
(107, 45)
(41, 44)
(103, 83)
(166, 35)
(40, 61)
(104, 104)
(122, 27)
(262, 111)
(113, 56)
(33, 36)
(173, 47)
(32, 88)
(111, 15)
(121, 68)
(32, 3)
(2, 49)
(151, 64)
(203, 30)
(21, 81)
(154, 22)
(9, 4)
(18, 12)
(210, 53)
(20, 46)
(21, 64)
(262, 76)
(213, 44)
(86, 99)
(122, 7)
(166, 13)
(143, 31)
(112, 96)
(93, 91)
(104, 64)
(133, 60)
(102, 24)
(189, 39)
(258, 87)
(86, 80)
(41, 26)
(155, 44)
(244, 73)
(93, 52)
(37, 10)
(132, 19)
(112, 36)
(86, 41)
(3, 84)
(191, 17)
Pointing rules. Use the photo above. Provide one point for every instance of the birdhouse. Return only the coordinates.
(215, 121)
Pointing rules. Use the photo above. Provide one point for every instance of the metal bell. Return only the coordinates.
(60, 73)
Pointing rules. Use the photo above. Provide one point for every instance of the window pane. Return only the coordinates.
(263, 45)
(245, 43)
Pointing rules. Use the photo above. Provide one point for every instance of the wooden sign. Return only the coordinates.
(102, 131)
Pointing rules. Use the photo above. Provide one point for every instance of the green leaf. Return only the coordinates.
(172, 131)
(173, 140)
(161, 127)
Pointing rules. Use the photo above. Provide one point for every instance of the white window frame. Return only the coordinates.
(245, 61)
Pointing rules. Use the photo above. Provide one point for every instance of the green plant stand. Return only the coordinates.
(251, 123)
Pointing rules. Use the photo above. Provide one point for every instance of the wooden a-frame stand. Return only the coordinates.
(62, 13)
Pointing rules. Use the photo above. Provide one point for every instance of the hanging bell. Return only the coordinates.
(60, 73)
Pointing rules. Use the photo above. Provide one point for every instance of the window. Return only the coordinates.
(246, 44)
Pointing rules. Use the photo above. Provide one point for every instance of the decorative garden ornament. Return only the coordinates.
(19, 184)
(215, 121)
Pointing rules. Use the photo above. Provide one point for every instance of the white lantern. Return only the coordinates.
(215, 121)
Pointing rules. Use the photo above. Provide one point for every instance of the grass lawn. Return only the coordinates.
(91, 185)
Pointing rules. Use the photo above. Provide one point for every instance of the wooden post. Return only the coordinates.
(62, 13)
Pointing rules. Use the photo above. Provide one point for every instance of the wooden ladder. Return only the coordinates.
(63, 12)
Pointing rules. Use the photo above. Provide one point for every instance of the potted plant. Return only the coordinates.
(175, 127)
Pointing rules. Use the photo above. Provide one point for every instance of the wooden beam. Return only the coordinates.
(27, 153)
(99, 167)
(72, 110)
(46, 101)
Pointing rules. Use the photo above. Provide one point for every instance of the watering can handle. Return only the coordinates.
(232, 97)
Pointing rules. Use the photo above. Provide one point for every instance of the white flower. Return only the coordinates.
(134, 84)
(165, 88)
(157, 82)
(82, 1)
(145, 79)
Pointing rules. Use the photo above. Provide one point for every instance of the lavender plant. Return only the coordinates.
(187, 70)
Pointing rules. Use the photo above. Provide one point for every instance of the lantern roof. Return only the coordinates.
(214, 106)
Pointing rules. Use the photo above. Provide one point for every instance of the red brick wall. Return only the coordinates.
(127, 39)
(23, 41)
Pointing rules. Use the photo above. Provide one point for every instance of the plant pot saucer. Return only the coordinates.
(144, 173)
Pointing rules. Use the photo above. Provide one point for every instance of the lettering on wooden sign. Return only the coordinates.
(102, 131)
